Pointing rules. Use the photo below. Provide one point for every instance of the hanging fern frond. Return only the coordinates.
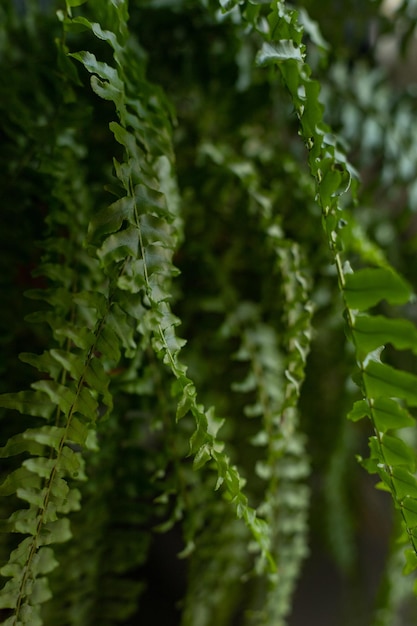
(381, 384)
(134, 225)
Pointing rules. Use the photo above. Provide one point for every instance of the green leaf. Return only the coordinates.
(94, 300)
(203, 455)
(329, 185)
(60, 395)
(98, 379)
(81, 337)
(383, 380)
(86, 404)
(40, 466)
(200, 435)
(55, 532)
(150, 200)
(360, 409)
(69, 361)
(72, 463)
(40, 593)
(107, 91)
(365, 288)
(110, 219)
(186, 401)
(118, 246)
(370, 332)
(389, 414)
(396, 452)
(108, 344)
(278, 52)
(122, 326)
(20, 478)
(405, 483)
(100, 68)
(22, 521)
(43, 362)
(18, 444)
(409, 508)
(28, 403)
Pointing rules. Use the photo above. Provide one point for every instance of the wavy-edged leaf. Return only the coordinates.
(28, 403)
(405, 483)
(19, 444)
(58, 531)
(396, 452)
(110, 219)
(33, 440)
(103, 70)
(186, 400)
(370, 332)
(359, 410)
(279, 51)
(365, 288)
(383, 380)
(387, 414)
(118, 246)
(107, 91)
(42, 362)
(202, 456)
(409, 509)
(59, 394)
(20, 478)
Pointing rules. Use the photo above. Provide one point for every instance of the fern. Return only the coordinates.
(381, 384)
(130, 430)
(149, 220)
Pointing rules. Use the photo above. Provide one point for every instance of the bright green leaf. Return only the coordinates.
(370, 332)
(383, 380)
(405, 483)
(409, 508)
(365, 288)
(360, 409)
(396, 452)
(389, 414)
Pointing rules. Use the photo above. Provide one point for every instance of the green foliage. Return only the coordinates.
(153, 153)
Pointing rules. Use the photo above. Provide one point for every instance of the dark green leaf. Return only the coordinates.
(28, 403)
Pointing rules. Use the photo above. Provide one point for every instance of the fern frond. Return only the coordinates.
(142, 209)
(381, 384)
